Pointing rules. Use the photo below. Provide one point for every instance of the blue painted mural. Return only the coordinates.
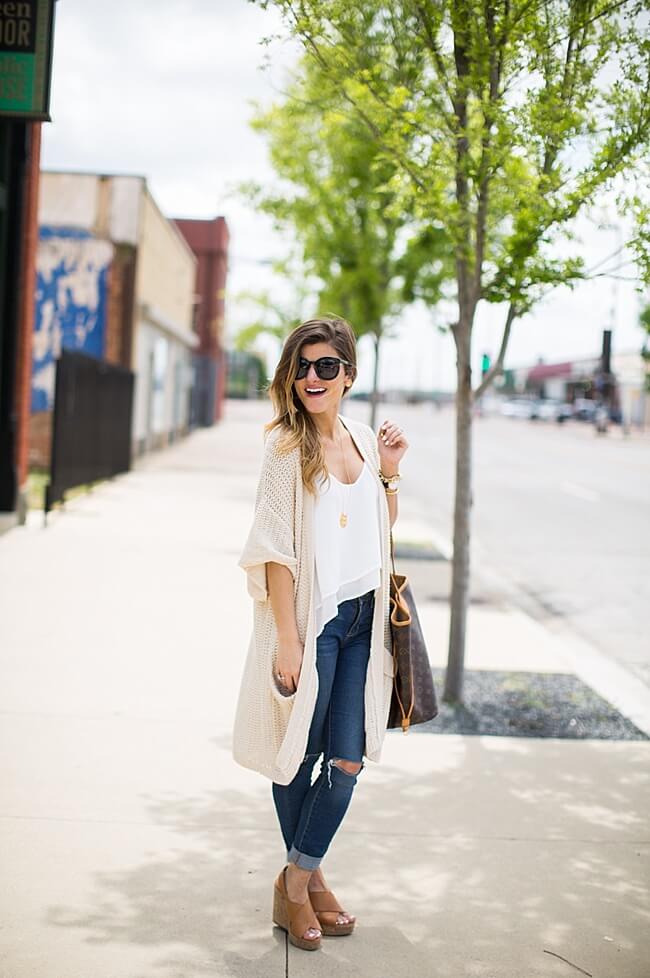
(71, 299)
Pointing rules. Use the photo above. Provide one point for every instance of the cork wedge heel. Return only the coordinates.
(295, 918)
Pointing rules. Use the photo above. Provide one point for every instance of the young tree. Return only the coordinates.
(271, 318)
(338, 198)
(504, 118)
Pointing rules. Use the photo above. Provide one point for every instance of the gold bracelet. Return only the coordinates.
(390, 492)
(389, 478)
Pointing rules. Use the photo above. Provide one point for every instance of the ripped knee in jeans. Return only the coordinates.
(351, 768)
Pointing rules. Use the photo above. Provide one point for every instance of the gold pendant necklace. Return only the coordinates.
(343, 518)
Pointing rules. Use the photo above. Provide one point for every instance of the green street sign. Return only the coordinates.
(25, 58)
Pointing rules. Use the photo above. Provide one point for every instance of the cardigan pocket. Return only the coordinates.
(281, 697)
(284, 698)
(282, 703)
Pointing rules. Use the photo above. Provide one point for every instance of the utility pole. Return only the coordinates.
(604, 383)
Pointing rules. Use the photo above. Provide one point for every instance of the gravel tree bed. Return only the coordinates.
(528, 704)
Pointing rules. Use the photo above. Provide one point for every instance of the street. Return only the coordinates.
(560, 514)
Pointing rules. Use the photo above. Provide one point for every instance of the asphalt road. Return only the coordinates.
(561, 516)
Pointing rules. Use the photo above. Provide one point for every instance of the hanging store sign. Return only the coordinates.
(25, 58)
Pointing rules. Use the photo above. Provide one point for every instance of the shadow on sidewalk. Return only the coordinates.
(476, 856)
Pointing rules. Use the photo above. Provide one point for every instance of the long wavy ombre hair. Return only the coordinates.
(298, 428)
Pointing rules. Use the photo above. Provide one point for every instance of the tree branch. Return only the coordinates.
(441, 71)
(494, 76)
(497, 366)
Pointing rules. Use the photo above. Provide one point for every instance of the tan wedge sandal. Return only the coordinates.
(295, 918)
(327, 908)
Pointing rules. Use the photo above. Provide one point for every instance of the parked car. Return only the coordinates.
(563, 411)
(551, 409)
(517, 407)
(536, 408)
(584, 409)
(543, 409)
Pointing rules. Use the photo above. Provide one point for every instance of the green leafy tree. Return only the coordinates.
(338, 197)
(644, 320)
(504, 119)
(271, 318)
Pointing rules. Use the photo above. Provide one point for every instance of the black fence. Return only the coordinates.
(91, 426)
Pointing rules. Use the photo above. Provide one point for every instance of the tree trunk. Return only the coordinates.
(460, 583)
(374, 394)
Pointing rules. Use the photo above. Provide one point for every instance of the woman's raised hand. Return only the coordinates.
(391, 444)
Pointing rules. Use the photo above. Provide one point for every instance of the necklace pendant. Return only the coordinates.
(343, 519)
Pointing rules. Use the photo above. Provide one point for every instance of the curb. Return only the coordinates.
(616, 684)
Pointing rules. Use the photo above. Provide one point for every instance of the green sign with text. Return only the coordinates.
(25, 58)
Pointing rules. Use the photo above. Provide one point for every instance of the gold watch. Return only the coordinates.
(390, 481)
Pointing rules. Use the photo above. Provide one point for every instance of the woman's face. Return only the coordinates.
(327, 393)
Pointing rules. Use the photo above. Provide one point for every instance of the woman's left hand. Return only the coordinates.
(391, 444)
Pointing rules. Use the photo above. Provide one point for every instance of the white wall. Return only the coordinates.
(162, 386)
(68, 200)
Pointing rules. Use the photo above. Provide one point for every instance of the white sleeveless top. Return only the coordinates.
(347, 559)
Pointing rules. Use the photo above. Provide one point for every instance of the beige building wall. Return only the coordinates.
(631, 370)
(166, 268)
(164, 338)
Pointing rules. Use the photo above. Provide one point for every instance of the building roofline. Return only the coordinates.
(145, 185)
(170, 221)
(65, 171)
(575, 361)
(201, 220)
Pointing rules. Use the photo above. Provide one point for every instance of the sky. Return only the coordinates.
(166, 89)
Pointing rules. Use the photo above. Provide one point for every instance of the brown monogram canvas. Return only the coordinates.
(414, 697)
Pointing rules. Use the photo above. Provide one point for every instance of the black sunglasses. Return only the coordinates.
(327, 368)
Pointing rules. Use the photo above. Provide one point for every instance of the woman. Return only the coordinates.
(318, 675)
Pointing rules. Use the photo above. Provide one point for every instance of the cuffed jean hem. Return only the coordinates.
(302, 860)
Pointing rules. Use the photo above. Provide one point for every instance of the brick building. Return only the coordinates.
(208, 239)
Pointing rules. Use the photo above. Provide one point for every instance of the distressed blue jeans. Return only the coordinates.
(310, 814)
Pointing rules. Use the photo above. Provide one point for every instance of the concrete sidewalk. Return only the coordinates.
(134, 847)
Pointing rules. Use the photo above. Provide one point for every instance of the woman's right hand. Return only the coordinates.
(289, 663)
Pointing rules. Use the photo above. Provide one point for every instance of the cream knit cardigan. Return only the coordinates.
(270, 731)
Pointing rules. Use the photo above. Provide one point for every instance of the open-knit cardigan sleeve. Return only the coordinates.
(271, 536)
